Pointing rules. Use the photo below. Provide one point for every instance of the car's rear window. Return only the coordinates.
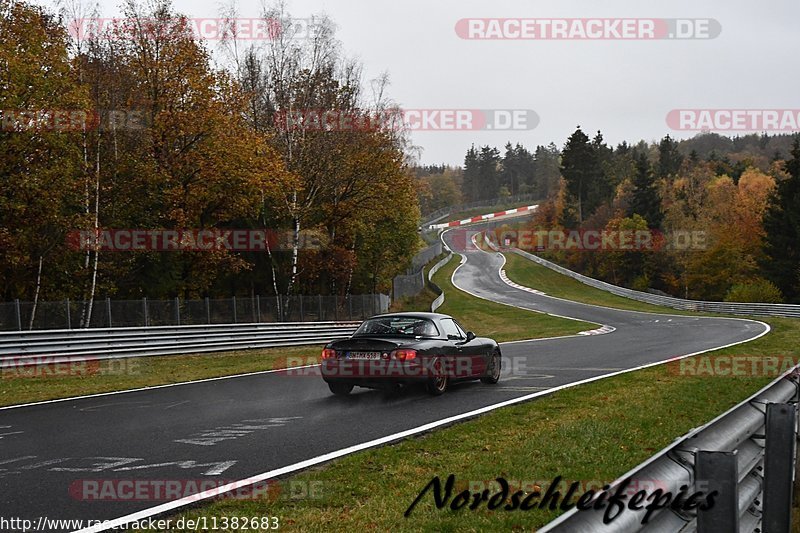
(405, 326)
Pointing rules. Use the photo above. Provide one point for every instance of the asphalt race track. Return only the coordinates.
(231, 429)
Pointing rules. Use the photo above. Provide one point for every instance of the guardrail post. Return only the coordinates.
(258, 308)
(177, 311)
(718, 471)
(208, 310)
(19, 315)
(144, 310)
(108, 310)
(234, 309)
(319, 313)
(279, 307)
(779, 448)
(349, 307)
(69, 317)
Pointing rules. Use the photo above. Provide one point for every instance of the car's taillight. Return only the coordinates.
(329, 353)
(404, 355)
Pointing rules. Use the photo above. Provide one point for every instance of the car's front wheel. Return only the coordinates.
(438, 382)
(340, 389)
(493, 371)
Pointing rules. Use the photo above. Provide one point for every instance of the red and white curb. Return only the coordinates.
(599, 331)
(479, 218)
(510, 283)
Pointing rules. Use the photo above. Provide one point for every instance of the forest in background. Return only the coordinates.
(208, 149)
(741, 193)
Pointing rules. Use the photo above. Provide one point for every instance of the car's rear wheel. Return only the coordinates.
(493, 372)
(340, 389)
(438, 382)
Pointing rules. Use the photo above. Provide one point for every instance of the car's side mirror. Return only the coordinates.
(470, 336)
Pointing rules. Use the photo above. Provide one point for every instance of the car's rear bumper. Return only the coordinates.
(377, 372)
(381, 373)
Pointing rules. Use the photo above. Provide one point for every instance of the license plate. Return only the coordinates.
(363, 355)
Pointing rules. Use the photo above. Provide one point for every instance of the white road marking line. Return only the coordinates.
(586, 368)
(177, 504)
(153, 387)
(176, 404)
(530, 376)
(214, 436)
(513, 389)
(216, 469)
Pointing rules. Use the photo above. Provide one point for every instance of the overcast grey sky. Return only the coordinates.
(624, 88)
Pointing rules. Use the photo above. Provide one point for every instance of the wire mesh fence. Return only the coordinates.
(68, 314)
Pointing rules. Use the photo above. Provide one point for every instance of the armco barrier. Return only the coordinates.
(412, 282)
(439, 299)
(146, 312)
(733, 308)
(488, 216)
(439, 214)
(747, 454)
(39, 347)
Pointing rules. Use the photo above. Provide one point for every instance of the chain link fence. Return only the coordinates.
(68, 314)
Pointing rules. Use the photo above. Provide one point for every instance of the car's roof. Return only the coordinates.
(415, 314)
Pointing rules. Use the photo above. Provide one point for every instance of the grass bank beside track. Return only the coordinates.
(593, 432)
(500, 322)
(530, 274)
(49, 382)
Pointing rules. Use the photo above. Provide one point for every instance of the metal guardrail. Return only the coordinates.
(437, 215)
(733, 308)
(438, 290)
(146, 312)
(39, 347)
(747, 454)
(412, 282)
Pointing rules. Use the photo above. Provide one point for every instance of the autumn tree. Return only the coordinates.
(43, 113)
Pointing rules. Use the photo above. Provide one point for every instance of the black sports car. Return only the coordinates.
(395, 349)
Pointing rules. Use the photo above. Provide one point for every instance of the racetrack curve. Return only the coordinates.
(234, 428)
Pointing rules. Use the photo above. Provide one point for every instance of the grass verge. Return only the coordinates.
(614, 429)
(500, 322)
(48, 382)
(530, 274)
(592, 433)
